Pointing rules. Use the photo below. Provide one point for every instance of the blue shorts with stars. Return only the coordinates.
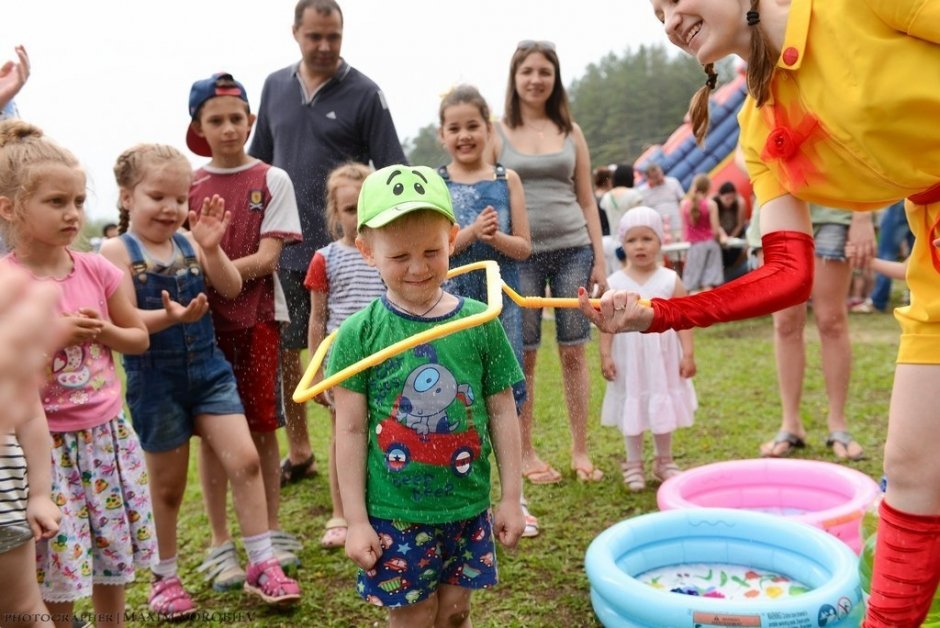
(418, 557)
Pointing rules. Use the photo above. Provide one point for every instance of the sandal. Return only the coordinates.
(546, 474)
(293, 472)
(633, 476)
(783, 437)
(169, 599)
(222, 569)
(665, 469)
(267, 581)
(335, 535)
(588, 473)
(286, 546)
(531, 523)
(844, 438)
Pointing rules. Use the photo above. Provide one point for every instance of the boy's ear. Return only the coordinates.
(452, 237)
(365, 249)
(251, 121)
(197, 128)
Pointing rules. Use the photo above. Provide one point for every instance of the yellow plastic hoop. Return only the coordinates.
(494, 305)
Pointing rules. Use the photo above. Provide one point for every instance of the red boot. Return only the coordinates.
(906, 570)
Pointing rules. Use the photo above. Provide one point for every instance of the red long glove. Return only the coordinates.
(785, 279)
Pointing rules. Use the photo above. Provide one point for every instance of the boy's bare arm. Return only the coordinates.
(507, 445)
(892, 270)
(362, 543)
(262, 262)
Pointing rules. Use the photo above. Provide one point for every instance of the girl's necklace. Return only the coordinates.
(421, 315)
(540, 129)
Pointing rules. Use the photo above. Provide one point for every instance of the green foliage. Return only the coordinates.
(425, 149)
(626, 103)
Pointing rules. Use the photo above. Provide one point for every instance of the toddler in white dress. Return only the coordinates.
(648, 375)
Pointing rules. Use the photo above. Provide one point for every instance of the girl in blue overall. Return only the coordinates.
(489, 204)
(182, 385)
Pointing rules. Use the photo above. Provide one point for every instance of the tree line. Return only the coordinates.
(623, 103)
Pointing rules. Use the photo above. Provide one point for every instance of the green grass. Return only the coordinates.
(543, 582)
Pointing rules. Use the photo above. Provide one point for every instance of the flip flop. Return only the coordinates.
(844, 438)
(545, 474)
(293, 472)
(531, 523)
(588, 473)
(769, 450)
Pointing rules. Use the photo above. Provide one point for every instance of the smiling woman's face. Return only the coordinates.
(709, 30)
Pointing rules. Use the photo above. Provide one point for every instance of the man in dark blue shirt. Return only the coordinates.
(315, 115)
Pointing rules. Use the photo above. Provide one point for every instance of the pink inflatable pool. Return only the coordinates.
(822, 494)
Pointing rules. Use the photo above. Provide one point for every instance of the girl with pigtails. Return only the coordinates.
(827, 121)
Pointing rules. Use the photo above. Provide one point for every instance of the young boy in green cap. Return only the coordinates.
(416, 431)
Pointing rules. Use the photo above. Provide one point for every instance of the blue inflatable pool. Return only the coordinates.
(721, 536)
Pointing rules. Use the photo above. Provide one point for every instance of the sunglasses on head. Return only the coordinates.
(526, 44)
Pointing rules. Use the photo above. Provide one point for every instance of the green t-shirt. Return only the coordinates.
(428, 427)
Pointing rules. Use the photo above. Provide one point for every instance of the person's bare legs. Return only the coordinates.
(448, 607)
(295, 414)
(167, 471)
(910, 458)
(530, 458)
(230, 440)
(108, 601)
(790, 356)
(62, 611)
(831, 283)
(577, 384)
(214, 493)
(20, 600)
(266, 444)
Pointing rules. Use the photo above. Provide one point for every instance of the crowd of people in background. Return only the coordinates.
(213, 282)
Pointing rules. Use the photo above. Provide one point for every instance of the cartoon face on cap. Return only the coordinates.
(396, 190)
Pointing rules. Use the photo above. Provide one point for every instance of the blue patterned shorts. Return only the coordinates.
(416, 558)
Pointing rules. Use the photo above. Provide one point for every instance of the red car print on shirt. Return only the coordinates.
(403, 446)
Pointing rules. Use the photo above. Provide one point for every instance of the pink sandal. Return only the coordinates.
(170, 600)
(267, 581)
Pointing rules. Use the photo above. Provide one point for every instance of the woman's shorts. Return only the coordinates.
(830, 239)
(563, 271)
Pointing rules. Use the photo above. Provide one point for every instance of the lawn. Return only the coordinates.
(543, 581)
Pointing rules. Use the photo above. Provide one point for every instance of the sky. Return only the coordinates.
(107, 74)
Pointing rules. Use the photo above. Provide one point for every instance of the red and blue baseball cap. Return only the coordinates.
(219, 84)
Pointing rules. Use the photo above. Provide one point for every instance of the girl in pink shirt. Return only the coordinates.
(98, 476)
(700, 227)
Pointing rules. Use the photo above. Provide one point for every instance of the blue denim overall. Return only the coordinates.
(183, 374)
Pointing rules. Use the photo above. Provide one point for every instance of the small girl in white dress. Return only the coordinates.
(648, 375)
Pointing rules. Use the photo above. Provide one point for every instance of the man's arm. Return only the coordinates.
(380, 134)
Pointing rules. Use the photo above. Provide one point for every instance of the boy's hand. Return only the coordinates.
(608, 368)
(687, 367)
(43, 516)
(209, 225)
(191, 313)
(508, 522)
(362, 545)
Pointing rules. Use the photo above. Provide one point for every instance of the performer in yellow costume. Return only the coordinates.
(844, 110)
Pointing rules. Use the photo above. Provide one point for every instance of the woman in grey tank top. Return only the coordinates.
(538, 139)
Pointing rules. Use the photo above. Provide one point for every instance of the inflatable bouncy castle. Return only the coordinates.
(682, 158)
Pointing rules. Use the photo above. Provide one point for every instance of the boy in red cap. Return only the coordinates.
(264, 219)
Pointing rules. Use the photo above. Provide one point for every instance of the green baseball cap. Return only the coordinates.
(396, 190)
